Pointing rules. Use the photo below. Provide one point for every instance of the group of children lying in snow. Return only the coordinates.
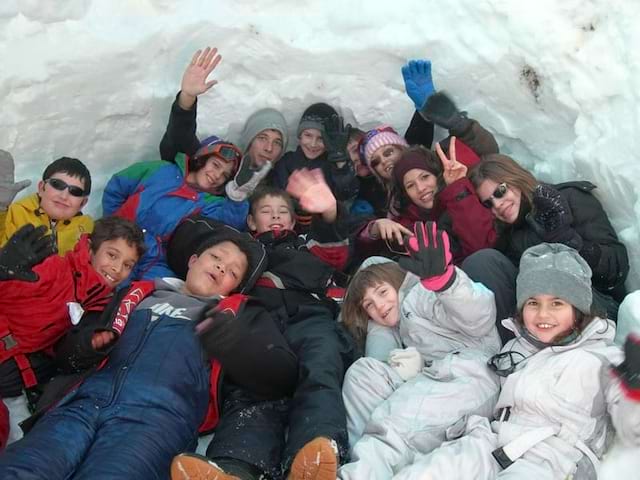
(162, 321)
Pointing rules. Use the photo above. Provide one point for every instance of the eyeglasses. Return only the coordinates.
(497, 194)
(60, 185)
(225, 151)
(505, 363)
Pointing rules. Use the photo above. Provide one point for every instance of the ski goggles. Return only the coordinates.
(497, 194)
(225, 151)
(504, 364)
(61, 185)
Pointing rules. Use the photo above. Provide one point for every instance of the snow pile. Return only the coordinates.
(558, 82)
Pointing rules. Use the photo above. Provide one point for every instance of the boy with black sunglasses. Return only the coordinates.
(62, 192)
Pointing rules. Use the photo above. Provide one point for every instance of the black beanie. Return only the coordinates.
(315, 116)
(195, 234)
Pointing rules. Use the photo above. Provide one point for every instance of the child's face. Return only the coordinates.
(265, 147)
(271, 213)
(354, 154)
(380, 302)
(548, 317)
(384, 158)
(213, 175)
(61, 204)
(114, 260)
(420, 186)
(312, 143)
(505, 205)
(218, 270)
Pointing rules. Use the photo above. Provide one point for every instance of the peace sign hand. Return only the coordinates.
(453, 170)
(194, 79)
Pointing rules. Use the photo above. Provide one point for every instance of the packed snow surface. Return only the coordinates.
(556, 82)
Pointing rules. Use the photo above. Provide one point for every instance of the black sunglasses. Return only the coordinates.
(498, 193)
(60, 185)
(505, 363)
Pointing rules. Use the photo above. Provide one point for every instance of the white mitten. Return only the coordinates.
(246, 180)
(8, 188)
(406, 362)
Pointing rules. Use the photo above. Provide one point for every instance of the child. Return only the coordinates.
(9, 188)
(295, 290)
(62, 192)
(430, 336)
(38, 306)
(145, 405)
(552, 419)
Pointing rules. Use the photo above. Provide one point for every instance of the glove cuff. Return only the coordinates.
(440, 282)
(234, 192)
(631, 392)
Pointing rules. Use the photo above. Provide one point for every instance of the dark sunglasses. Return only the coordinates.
(498, 193)
(504, 364)
(60, 185)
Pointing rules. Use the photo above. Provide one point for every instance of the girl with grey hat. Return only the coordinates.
(559, 390)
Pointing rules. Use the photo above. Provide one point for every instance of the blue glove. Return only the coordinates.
(417, 81)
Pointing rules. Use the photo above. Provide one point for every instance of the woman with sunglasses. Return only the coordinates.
(528, 212)
(564, 384)
(427, 331)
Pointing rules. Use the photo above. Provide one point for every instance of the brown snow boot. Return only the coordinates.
(317, 460)
(191, 466)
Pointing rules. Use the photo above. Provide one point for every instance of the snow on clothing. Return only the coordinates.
(34, 315)
(565, 395)
(391, 422)
(293, 289)
(152, 395)
(156, 197)
(66, 232)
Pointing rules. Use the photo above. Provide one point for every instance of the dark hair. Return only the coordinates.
(354, 318)
(432, 164)
(501, 168)
(357, 134)
(268, 191)
(242, 246)
(582, 320)
(70, 166)
(198, 163)
(112, 228)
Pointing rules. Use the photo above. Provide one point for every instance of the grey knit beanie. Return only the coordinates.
(265, 119)
(554, 269)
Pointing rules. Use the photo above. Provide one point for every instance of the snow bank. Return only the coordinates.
(557, 82)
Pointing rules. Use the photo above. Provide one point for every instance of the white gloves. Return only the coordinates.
(8, 188)
(246, 180)
(406, 362)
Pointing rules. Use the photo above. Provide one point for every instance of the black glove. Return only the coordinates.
(553, 214)
(441, 110)
(430, 257)
(25, 249)
(222, 328)
(629, 370)
(335, 137)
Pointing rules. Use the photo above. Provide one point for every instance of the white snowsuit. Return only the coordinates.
(552, 416)
(455, 333)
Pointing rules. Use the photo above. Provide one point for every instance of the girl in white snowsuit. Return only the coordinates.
(428, 342)
(558, 388)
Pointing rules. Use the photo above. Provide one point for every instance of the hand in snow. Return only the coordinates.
(102, 339)
(453, 170)
(194, 79)
(313, 193)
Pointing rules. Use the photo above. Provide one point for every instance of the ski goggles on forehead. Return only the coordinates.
(504, 364)
(61, 185)
(497, 194)
(225, 151)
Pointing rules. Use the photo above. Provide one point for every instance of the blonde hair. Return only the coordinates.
(354, 318)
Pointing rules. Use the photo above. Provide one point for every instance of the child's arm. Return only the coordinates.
(418, 84)
(227, 211)
(242, 335)
(180, 135)
(125, 183)
(462, 304)
(623, 393)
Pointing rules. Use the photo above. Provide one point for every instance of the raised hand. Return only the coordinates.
(8, 187)
(430, 257)
(313, 193)
(194, 79)
(417, 81)
(335, 137)
(25, 249)
(453, 170)
(246, 179)
(389, 231)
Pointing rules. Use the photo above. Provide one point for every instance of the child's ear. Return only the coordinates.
(84, 201)
(41, 186)
(251, 223)
(192, 260)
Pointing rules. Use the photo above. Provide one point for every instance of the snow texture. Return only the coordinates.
(558, 83)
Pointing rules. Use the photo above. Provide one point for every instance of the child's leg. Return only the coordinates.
(367, 384)
(135, 442)
(317, 409)
(55, 446)
(250, 431)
